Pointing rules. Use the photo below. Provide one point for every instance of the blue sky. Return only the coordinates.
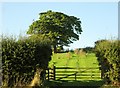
(99, 19)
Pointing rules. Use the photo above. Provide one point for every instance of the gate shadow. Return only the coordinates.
(74, 84)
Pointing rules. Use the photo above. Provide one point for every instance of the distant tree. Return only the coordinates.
(60, 28)
(88, 49)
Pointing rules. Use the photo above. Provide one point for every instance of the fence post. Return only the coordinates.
(102, 71)
(48, 75)
(54, 72)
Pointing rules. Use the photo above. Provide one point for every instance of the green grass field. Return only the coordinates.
(73, 60)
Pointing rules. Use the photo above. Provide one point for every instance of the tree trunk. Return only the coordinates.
(55, 49)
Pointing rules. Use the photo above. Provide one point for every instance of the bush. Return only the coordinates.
(20, 58)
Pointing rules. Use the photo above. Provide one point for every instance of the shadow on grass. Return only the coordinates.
(74, 84)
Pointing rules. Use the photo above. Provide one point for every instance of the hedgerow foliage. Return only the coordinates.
(20, 58)
(109, 59)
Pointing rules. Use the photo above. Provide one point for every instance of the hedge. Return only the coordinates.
(20, 58)
(108, 55)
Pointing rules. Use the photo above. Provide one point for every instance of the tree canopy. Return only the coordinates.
(60, 28)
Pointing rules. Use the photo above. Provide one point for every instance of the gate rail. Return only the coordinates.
(72, 73)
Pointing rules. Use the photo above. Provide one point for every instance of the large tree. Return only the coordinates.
(60, 28)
